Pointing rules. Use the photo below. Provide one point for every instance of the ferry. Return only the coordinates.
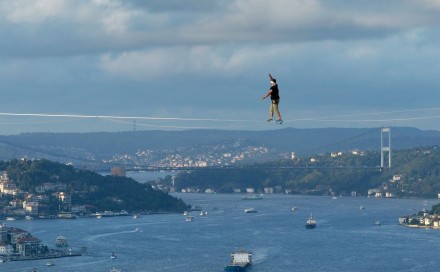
(311, 223)
(252, 197)
(61, 241)
(240, 261)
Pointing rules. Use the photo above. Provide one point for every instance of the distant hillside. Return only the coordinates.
(86, 188)
(415, 173)
(106, 146)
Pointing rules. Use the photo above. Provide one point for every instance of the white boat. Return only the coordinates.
(10, 218)
(50, 263)
(61, 241)
(202, 213)
(252, 197)
(250, 210)
(113, 269)
(113, 256)
(185, 213)
(294, 209)
(189, 218)
(240, 261)
(27, 217)
(311, 223)
(136, 216)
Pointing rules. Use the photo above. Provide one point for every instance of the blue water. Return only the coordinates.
(346, 238)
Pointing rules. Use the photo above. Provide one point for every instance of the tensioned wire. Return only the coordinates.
(336, 118)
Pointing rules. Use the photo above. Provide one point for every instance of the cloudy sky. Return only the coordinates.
(173, 63)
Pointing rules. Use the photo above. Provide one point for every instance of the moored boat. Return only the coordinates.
(240, 261)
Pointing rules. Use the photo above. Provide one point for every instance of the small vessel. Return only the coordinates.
(240, 261)
(311, 223)
(114, 269)
(294, 209)
(252, 197)
(50, 263)
(185, 213)
(10, 218)
(377, 223)
(250, 210)
(113, 256)
(362, 207)
(189, 218)
(135, 216)
(28, 217)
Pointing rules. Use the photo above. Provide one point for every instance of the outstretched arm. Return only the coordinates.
(268, 93)
(270, 76)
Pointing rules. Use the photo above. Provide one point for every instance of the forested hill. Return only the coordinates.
(88, 188)
(415, 173)
(301, 141)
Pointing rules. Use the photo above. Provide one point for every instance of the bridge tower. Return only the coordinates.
(384, 134)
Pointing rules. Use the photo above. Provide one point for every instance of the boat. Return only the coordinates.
(27, 217)
(189, 218)
(202, 213)
(311, 223)
(50, 263)
(185, 213)
(294, 209)
(113, 256)
(10, 218)
(61, 241)
(240, 261)
(362, 207)
(250, 210)
(114, 269)
(252, 197)
(136, 216)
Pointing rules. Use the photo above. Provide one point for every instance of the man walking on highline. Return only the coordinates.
(275, 98)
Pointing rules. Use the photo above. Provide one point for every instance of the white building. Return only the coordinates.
(6, 249)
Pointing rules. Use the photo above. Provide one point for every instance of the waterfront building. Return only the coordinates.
(268, 190)
(30, 207)
(250, 190)
(6, 249)
(29, 246)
